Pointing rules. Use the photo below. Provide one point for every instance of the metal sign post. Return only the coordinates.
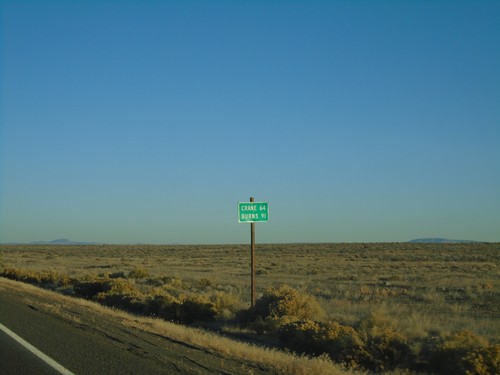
(252, 212)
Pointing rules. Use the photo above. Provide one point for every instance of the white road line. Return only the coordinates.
(62, 370)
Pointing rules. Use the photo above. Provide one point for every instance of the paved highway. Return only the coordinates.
(94, 343)
(81, 351)
(16, 359)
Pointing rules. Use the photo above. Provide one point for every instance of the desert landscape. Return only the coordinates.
(373, 306)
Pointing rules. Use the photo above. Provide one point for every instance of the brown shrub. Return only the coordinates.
(450, 354)
(384, 348)
(122, 295)
(283, 305)
(226, 304)
(483, 361)
(185, 309)
(341, 343)
(138, 273)
(162, 305)
(21, 275)
(88, 289)
(45, 279)
(196, 309)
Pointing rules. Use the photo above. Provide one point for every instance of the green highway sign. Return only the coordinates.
(253, 212)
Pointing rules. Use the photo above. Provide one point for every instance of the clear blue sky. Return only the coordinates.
(148, 121)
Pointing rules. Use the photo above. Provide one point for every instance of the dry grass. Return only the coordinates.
(76, 309)
(417, 291)
(284, 362)
(424, 287)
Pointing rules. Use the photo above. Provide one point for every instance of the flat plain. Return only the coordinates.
(421, 288)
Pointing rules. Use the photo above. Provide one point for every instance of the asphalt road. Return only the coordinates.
(96, 344)
(81, 351)
(16, 359)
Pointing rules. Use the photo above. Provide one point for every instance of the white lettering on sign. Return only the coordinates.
(249, 212)
(249, 208)
(253, 216)
(249, 216)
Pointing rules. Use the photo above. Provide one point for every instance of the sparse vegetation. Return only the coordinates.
(86, 313)
(45, 279)
(280, 306)
(138, 273)
(377, 307)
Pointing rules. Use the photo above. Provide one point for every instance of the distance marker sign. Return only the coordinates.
(253, 212)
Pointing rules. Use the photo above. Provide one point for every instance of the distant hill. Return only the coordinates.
(63, 241)
(440, 240)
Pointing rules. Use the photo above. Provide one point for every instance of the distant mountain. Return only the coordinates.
(440, 240)
(63, 241)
